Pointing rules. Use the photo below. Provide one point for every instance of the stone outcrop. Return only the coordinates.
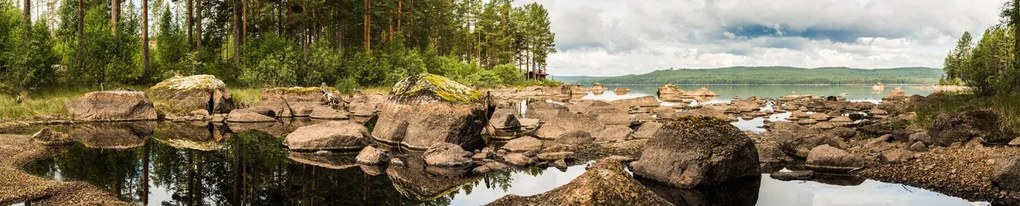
(604, 183)
(1006, 175)
(181, 95)
(523, 144)
(112, 106)
(371, 156)
(598, 89)
(294, 101)
(332, 135)
(247, 116)
(426, 109)
(697, 151)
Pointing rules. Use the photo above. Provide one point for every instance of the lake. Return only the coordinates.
(194, 164)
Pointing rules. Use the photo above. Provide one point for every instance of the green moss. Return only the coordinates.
(700, 121)
(434, 87)
(200, 82)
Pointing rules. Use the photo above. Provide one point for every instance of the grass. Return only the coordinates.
(943, 103)
(246, 97)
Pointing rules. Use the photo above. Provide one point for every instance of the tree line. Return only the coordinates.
(988, 66)
(346, 43)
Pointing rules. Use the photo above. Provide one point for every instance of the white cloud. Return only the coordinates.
(614, 37)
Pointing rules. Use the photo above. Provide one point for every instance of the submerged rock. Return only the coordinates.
(447, 155)
(565, 123)
(426, 109)
(696, 151)
(332, 135)
(604, 183)
(180, 95)
(621, 91)
(112, 106)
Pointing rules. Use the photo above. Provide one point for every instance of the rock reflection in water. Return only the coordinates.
(203, 137)
(419, 181)
(742, 192)
(113, 135)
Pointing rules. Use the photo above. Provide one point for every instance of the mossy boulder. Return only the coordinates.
(430, 87)
(426, 109)
(181, 95)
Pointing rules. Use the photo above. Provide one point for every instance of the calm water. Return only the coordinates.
(184, 164)
(728, 92)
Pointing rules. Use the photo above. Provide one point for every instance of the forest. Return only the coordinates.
(343, 43)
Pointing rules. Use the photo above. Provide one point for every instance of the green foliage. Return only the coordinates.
(991, 62)
(945, 103)
(958, 61)
(772, 75)
(171, 56)
(271, 61)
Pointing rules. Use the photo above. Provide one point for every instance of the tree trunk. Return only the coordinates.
(368, 26)
(190, 21)
(279, 18)
(114, 16)
(244, 18)
(81, 33)
(237, 33)
(28, 13)
(198, 24)
(145, 40)
(400, 12)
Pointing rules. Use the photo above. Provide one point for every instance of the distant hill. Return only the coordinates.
(771, 75)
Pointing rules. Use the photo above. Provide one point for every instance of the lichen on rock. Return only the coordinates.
(426, 87)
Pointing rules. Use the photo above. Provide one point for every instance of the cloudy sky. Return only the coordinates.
(615, 37)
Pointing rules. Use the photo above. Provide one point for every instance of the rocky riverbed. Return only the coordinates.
(431, 128)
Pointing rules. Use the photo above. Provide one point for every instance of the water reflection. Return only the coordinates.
(184, 164)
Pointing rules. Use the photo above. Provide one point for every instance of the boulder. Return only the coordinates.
(613, 133)
(896, 94)
(896, 156)
(572, 91)
(696, 151)
(523, 144)
(670, 93)
(544, 110)
(621, 91)
(112, 106)
(647, 130)
(426, 109)
(598, 89)
(295, 101)
(575, 138)
(1006, 175)
(504, 122)
(964, 126)
(828, 159)
(48, 137)
(517, 159)
(793, 175)
(447, 155)
(705, 112)
(918, 147)
(371, 156)
(639, 102)
(615, 119)
(327, 113)
(605, 182)
(569, 122)
(800, 145)
(332, 135)
(247, 116)
(702, 92)
(553, 156)
(180, 95)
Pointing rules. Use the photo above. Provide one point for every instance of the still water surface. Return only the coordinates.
(183, 164)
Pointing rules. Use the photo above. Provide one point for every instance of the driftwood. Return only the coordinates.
(331, 99)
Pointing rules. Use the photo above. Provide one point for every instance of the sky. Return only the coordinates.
(615, 37)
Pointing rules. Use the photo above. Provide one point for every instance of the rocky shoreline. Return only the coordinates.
(440, 122)
(16, 186)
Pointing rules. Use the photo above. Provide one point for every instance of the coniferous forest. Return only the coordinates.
(343, 43)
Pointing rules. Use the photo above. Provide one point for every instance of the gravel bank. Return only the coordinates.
(17, 186)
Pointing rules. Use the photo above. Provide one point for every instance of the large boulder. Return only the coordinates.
(569, 122)
(604, 183)
(523, 144)
(697, 151)
(426, 109)
(598, 89)
(828, 159)
(670, 93)
(895, 95)
(544, 110)
(447, 155)
(112, 106)
(964, 126)
(181, 95)
(333, 135)
(1006, 175)
(621, 91)
(371, 156)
